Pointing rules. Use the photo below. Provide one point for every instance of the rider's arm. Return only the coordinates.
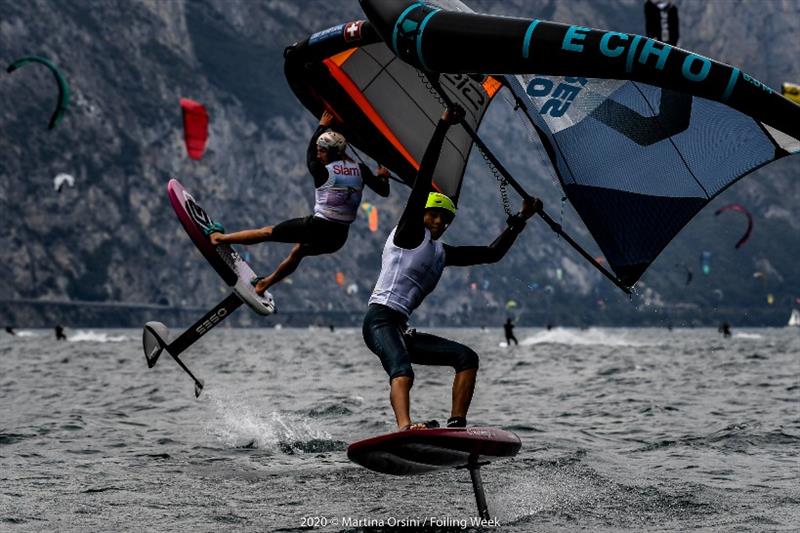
(378, 183)
(315, 166)
(476, 255)
(411, 228)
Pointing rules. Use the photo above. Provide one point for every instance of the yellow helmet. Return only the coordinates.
(437, 200)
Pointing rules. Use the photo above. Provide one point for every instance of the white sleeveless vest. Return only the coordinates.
(338, 198)
(408, 276)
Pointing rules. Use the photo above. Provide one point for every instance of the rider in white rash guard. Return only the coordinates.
(412, 263)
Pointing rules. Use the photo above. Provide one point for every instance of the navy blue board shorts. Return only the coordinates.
(316, 236)
(386, 335)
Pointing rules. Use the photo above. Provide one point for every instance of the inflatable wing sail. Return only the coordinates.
(642, 134)
(387, 108)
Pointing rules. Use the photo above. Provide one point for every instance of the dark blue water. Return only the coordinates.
(622, 430)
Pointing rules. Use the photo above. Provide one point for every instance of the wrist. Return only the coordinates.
(516, 222)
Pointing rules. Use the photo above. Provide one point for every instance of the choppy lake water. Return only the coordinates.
(622, 430)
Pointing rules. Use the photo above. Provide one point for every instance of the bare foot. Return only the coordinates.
(418, 425)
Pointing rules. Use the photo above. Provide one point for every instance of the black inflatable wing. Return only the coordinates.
(387, 108)
(641, 134)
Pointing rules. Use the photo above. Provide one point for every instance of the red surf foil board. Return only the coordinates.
(420, 451)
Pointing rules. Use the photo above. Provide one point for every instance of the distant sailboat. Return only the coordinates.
(794, 318)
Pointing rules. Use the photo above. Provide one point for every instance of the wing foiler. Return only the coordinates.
(230, 266)
(387, 108)
(641, 134)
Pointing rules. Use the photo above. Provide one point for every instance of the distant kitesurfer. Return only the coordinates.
(60, 333)
(339, 182)
(725, 329)
(508, 327)
(412, 263)
(10, 330)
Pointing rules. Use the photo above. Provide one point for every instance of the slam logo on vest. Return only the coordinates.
(342, 170)
(345, 175)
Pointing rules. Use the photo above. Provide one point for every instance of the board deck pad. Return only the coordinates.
(420, 451)
(226, 261)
